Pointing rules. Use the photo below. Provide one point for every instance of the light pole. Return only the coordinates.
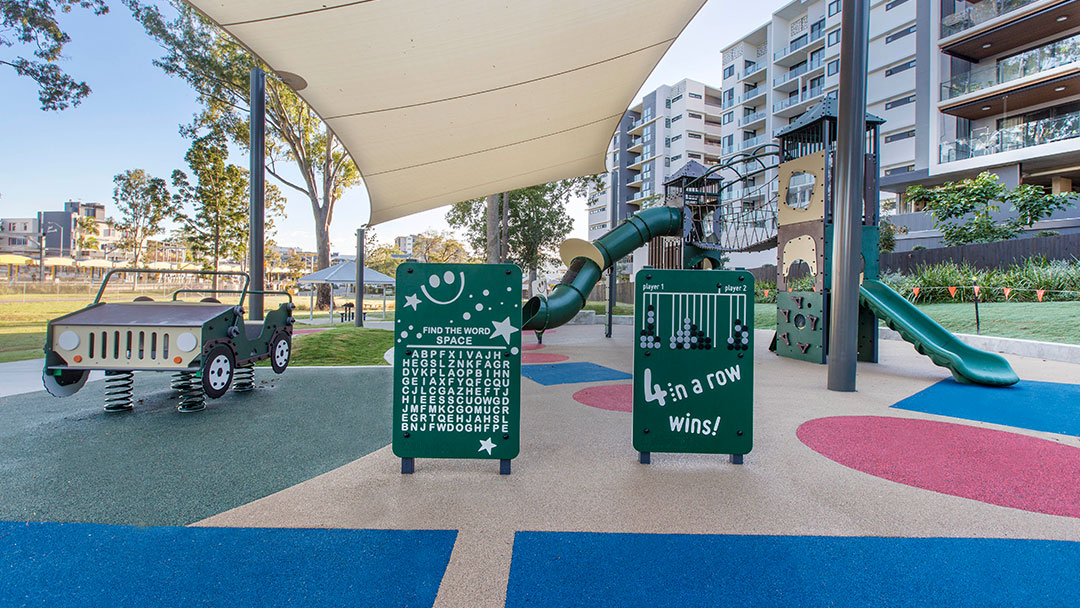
(53, 227)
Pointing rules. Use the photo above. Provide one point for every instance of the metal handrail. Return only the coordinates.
(237, 273)
(265, 293)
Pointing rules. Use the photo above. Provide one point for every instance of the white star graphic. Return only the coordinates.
(486, 444)
(503, 328)
(412, 301)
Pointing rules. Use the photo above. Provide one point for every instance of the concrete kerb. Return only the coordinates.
(1052, 351)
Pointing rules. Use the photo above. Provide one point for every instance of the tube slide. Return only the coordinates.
(966, 363)
(589, 260)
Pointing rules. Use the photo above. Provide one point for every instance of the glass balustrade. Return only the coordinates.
(1030, 62)
(978, 13)
(1048, 130)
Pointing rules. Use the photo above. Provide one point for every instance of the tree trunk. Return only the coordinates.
(322, 260)
(492, 229)
(504, 242)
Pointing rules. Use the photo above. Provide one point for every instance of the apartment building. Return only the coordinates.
(61, 229)
(405, 243)
(1004, 85)
(780, 70)
(667, 128)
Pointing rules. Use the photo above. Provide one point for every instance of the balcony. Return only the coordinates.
(752, 118)
(752, 71)
(791, 106)
(636, 145)
(750, 95)
(753, 142)
(992, 27)
(1022, 136)
(799, 71)
(978, 14)
(637, 126)
(786, 53)
(1029, 63)
(727, 149)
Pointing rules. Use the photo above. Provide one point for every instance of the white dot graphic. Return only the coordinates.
(509, 289)
(466, 316)
(514, 351)
(487, 293)
(404, 334)
(479, 307)
(410, 327)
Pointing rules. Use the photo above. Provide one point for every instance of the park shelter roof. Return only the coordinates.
(345, 274)
(11, 258)
(439, 101)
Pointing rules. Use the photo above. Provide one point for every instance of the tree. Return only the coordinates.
(219, 227)
(144, 205)
(964, 211)
(537, 222)
(440, 247)
(381, 258)
(199, 52)
(86, 233)
(33, 24)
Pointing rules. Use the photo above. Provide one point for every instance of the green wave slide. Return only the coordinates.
(967, 364)
(569, 296)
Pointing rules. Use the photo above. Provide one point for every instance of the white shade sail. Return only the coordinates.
(439, 101)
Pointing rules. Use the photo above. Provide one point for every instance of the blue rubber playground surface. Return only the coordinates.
(50, 564)
(562, 569)
(570, 373)
(1038, 406)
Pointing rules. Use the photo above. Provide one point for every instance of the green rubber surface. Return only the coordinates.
(67, 460)
(966, 363)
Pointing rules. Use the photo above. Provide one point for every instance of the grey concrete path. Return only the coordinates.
(19, 377)
(578, 472)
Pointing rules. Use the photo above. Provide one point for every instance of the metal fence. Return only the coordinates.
(986, 255)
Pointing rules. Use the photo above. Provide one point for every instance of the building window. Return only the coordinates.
(667, 142)
(676, 98)
(676, 157)
(815, 29)
(667, 122)
(676, 138)
(903, 101)
(676, 118)
(726, 118)
(834, 7)
(894, 4)
(834, 37)
(897, 170)
(692, 115)
(694, 135)
(729, 71)
(898, 136)
(694, 96)
(834, 67)
(907, 65)
(898, 35)
(693, 155)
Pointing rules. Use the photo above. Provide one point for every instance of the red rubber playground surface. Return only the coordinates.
(995, 467)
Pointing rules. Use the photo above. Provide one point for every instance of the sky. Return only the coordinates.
(132, 119)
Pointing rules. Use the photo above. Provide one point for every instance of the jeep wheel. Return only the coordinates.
(217, 371)
(280, 351)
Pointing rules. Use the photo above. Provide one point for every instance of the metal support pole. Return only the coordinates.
(610, 299)
(360, 277)
(847, 209)
(257, 205)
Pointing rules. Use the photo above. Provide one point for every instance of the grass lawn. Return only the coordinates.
(1043, 321)
(601, 308)
(341, 346)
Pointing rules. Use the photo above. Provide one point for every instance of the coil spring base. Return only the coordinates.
(119, 387)
(244, 379)
(192, 398)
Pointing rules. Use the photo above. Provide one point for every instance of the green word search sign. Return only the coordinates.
(694, 362)
(457, 361)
